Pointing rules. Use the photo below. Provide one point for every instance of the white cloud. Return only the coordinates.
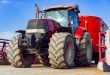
(5, 2)
(16, 3)
(19, 3)
(7, 35)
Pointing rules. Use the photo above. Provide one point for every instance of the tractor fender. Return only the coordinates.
(79, 32)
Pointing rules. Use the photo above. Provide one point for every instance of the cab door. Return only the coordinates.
(73, 20)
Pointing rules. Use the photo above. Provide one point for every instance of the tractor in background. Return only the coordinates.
(3, 54)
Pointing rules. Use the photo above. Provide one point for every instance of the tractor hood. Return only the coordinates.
(37, 25)
(42, 26)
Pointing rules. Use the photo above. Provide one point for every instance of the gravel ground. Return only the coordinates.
(41, 70)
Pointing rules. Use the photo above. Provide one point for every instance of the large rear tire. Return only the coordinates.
(84, 55)
(16, 56)
(62, 50)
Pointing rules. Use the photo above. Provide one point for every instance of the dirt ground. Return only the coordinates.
(42, 70)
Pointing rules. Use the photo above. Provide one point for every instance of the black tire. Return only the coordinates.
(96, 57)
(84, 55)
(16, 57)
(61, 51)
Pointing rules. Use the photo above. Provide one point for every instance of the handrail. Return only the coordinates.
(3, 45)
(101, 46)
(4, 39)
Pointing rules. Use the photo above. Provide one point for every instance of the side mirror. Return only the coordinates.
(76, 10)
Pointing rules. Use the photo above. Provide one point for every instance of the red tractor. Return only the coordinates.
(56, 37)
(59, 37)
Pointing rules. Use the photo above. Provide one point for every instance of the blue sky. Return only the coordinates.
(14, 14)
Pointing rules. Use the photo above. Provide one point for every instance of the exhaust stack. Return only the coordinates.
(37, 11)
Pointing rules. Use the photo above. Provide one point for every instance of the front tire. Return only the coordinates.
(62, 50)
(16, 56)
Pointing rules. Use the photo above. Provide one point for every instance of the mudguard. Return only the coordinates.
(79, 32)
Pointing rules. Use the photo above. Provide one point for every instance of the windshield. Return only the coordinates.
(61, 16)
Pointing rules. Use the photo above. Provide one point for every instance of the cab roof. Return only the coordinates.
(60, 7)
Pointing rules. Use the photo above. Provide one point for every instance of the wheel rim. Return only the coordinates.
(69, 51)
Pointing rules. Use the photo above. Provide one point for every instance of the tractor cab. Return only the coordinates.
(66, 16)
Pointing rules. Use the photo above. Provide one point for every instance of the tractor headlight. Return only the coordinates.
(35, 31)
